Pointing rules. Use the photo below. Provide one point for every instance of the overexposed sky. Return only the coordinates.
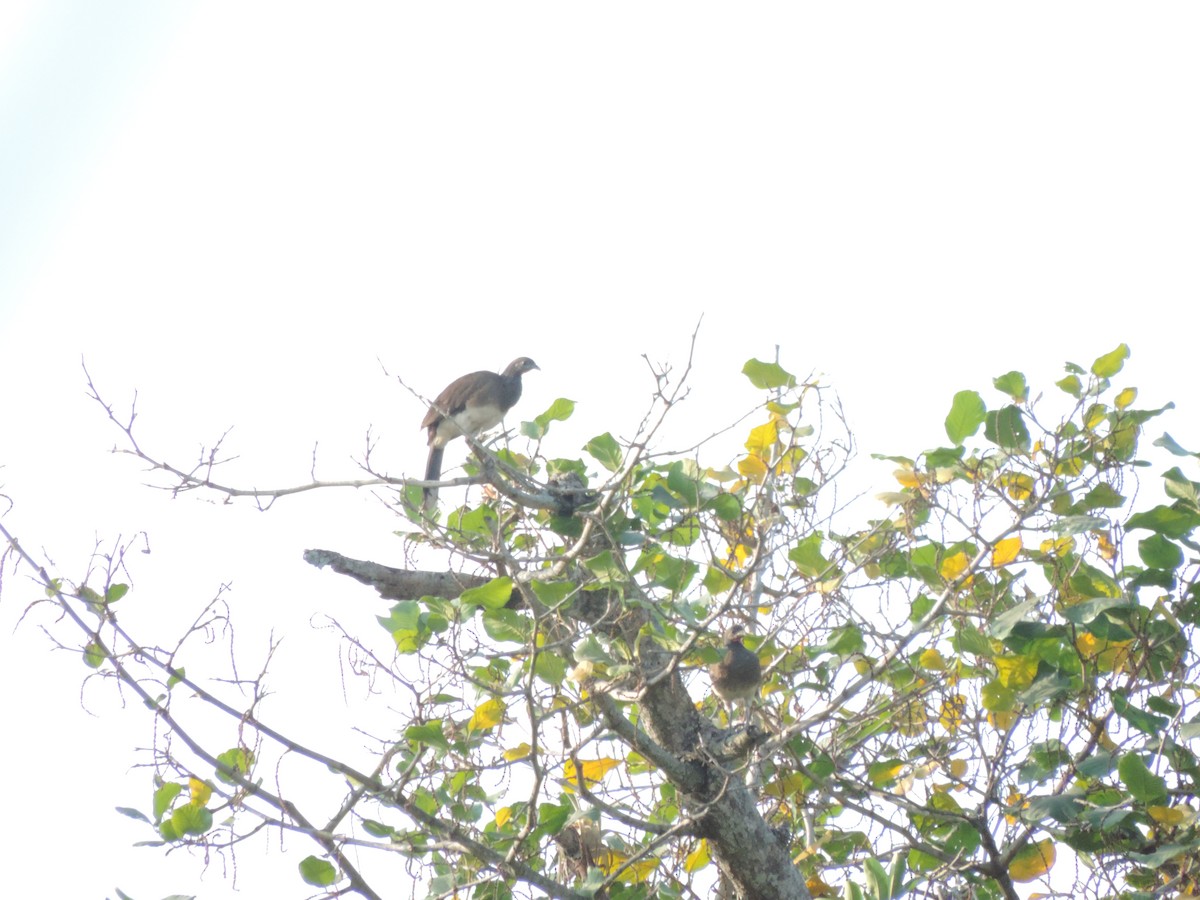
(244, 212)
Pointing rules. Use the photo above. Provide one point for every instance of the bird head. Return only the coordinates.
(520, 366)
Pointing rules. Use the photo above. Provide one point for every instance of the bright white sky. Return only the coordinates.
(241, 210)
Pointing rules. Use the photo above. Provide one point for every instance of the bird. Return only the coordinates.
(469, 405)
(739, 672)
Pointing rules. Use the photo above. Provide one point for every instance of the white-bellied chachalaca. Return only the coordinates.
(469, 405)
(739, 672)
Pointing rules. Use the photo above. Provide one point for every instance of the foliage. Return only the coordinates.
(992, 676)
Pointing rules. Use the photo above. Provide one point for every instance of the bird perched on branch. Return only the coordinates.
(739, 672)
(469, 405)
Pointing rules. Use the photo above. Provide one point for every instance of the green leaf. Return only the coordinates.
(431, 734)
(1013, 384)
(727, 507)
(967, 413)
(605, 450)
(550, 667)
(1060, 808)
(1167, 520)
(1162, 855)
(191, 819)
(877, 880)
(1145, 786)
(591, 650)
(552, 593)
(605, 567)
(237, 759)
(403, 623)
(1000, 626)
(506, 625)
(1072, 385)
(1102, 496)
(1148, 723)
(1158, 552)
(1098, 765)
(1169, 444)
(164, 797)
(132, 813)
(807, 556)
(1179, 487)
(115, 592)
(1110, 364)
(1085, 611)
(317, 872)
(717, 581)
(997, 698)
(882, 774)
(1067, 525)
(94, 655)
(560, 410)
(683, 484)
(377, 829)
(1006, 429)
(493, 595)
(768, 376)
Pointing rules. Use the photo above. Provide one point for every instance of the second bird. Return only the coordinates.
(738, 674)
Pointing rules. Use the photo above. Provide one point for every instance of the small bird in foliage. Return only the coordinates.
(739, 673)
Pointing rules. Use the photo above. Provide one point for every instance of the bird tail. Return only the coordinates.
(433, 471)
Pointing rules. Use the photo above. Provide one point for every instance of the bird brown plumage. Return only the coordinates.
(738, 673)
(469, 405)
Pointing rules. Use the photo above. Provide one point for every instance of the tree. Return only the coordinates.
(995, 673)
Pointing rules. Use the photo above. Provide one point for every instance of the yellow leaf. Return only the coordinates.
(786, 786)
(1006, 551)
(894, 498)
(593, 770)
(954, 566)
(503, 815)
(1033, 861)
(762, 439)
(1059, 547)
(790, 460)
(818, 888)
(1165, 815)
(932, 660)
(518, 752)
(1017, 485)
(911, 719)
(1106, 741)
(738, 554)
(698, 858)
(958, 767)
(952, 713)
(1107, 549)
(1017, 801)
(1126, 397)
(907, 477)
(200, 792)
(752, 468)
(1016, 672)
(1002, 720)
(610, 860)
(1072, 467)
(1110, 656)
(487, 715)
(886, 774)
